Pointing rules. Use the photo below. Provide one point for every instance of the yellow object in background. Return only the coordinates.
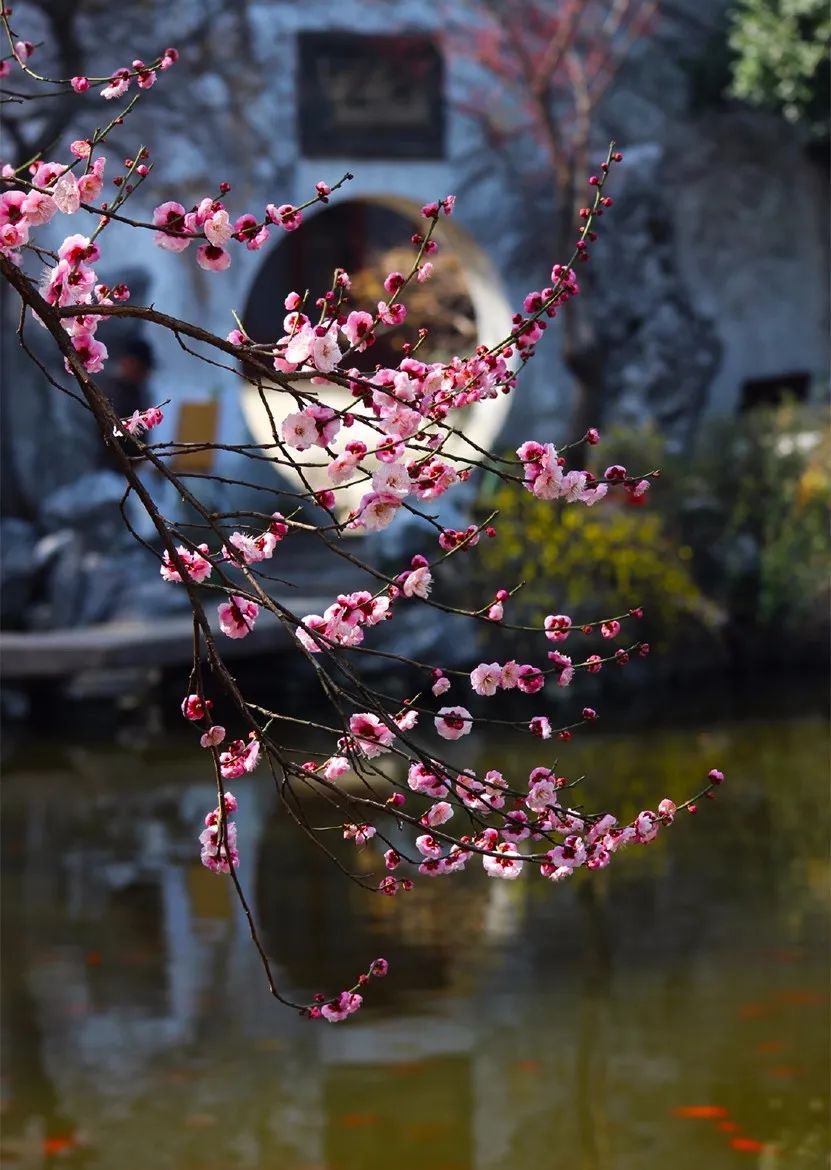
(197, 424)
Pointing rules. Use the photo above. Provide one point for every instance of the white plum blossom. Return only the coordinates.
(453, 722)
(508, 863)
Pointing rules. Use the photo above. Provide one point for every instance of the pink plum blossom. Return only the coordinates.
(335, 767)
(540, 726)
(372, 736)
(219, 849)
(213, 736)
(376, 511)
(92, 353)
(346, 1004)
(486, 679)
(38, 208)
(170, 215)
(196, 564)
(417, 583)
(285, 216)
(358, 330)
(212, 258)
(437, 814)
(360, 834)
(453, 722)
(557, 627)
(194, 708)
(506, 864)
(237, 616)
(241, 757)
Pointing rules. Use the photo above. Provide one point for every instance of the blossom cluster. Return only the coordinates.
(219, 838)
(401, 459)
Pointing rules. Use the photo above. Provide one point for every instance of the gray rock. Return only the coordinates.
(89, 505)
(18, 569)
(661, 352)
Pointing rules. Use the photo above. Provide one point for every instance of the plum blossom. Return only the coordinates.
(38, 208)
(406, 720)
(360, 834)
(506, 864)
(428, 847)
(219, 843)
(213, 736)
(417, 583)
(358, 330)
(540, 726)
(194, 708)
(90, 184)
(486, 679)
(217, 227)
(299, 430)
(453, 722)
(392, 314)
(92, 353)
(66, 195)
(76, 249)
(252, 549)
(667, 809)
(346, 1004)
(646, 825)
(324, 350)
(241, 757)
(250, 232)
(196, 565)
(572, 852)
(530, 679)
(118, 85)
(430, 783)
(437, 814)
(554, 872)
(441, 686)
(237, 616)
(327, 423)
(542, 794)
(170, 215)
(372, 736)
(557, 627)
(335, 767)
(140, 421)
(391, 479)
(212, 258)
(563, 664)
(376, 511)
(285, 216)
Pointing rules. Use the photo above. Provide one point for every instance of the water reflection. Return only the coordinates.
(670, 1011)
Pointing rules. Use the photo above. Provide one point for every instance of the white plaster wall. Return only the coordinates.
(749, 218)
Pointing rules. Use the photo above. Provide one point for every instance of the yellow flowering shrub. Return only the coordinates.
(585, 562)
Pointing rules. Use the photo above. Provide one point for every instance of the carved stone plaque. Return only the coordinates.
(370, 96)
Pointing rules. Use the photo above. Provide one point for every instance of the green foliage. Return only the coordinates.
(781, 60)
(768, 479)
(753, 503)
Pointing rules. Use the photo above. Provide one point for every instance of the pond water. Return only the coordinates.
(671, 1011)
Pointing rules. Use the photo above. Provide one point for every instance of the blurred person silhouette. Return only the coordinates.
(126, 387)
